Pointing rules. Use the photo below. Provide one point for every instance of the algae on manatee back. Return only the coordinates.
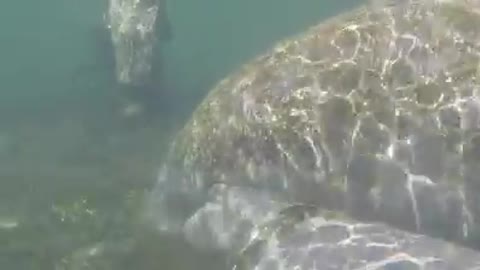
(349, 115)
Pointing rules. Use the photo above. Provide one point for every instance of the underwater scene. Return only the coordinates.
(262, 135)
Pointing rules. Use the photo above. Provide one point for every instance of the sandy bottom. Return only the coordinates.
(72, 184)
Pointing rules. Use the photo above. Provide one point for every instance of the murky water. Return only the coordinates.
(74, 167)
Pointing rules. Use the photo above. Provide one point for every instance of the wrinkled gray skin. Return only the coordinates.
(374, 113)
(261, 233)
(136, 26)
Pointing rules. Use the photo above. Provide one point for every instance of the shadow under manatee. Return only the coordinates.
(152, 251)
(145, 250)
(97, 76)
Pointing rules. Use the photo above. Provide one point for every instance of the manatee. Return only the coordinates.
(127, 47)
(136, 27)
(374, 113)
(259, 232)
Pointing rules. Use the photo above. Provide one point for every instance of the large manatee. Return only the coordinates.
(374, 113)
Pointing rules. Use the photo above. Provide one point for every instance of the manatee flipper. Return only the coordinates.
(258, 230)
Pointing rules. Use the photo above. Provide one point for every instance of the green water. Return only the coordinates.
(72, 172)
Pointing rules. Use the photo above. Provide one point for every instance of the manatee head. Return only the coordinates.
(133, 25)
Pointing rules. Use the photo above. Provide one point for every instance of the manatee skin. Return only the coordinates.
(135, 27)
(258, 232)
(375, 113)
